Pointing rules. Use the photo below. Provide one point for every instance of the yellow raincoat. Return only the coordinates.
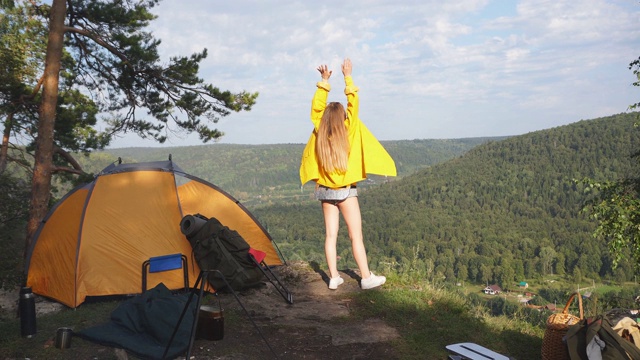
(367, 156)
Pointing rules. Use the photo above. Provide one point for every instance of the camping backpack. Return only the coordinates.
(216, 247)
(615, 346)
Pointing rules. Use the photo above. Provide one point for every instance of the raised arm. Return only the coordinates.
(350, 90)
(319, 102)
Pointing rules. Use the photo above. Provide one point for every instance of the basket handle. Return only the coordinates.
(566, 307)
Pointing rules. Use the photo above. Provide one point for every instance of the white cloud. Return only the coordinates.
(426, 69)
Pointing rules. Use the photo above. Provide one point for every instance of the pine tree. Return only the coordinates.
(105, 49)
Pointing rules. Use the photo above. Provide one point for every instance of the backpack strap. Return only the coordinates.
(576, 340)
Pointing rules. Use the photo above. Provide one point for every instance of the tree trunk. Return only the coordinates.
(41, 182)
(4, 149)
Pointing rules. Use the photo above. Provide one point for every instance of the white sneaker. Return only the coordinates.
(372, 281)
(334, 282)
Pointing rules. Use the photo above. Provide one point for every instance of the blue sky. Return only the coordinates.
(426, 69)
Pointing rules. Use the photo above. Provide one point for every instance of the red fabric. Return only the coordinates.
(257, 254)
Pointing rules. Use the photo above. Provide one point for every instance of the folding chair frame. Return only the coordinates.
(147, 266)
(201, 282)
(257, 257)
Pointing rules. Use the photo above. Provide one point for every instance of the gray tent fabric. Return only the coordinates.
(144, 324)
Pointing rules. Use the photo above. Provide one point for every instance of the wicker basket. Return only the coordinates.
(553, 348)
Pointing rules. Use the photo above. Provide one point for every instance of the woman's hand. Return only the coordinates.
(346, 67)
(324, 72)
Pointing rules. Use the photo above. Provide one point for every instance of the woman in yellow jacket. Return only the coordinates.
(339, 153)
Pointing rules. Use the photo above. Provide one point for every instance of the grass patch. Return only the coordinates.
(41, 346)
(430, 319)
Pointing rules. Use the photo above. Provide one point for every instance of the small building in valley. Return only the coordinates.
(492, 290)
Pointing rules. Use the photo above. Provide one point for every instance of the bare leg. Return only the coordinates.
(350, 209)
(331, 223)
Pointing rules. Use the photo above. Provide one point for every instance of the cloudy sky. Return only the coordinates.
(427, 69)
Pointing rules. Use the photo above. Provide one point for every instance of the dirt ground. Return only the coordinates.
(317, 325)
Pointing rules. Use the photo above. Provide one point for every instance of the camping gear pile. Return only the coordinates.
(128, 227)
(237, 265)
(215, 246)
(614, 335)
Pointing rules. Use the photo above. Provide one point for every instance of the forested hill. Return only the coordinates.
(263, 174)
(504, 211)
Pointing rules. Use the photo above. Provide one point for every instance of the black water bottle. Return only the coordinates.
(27, 307)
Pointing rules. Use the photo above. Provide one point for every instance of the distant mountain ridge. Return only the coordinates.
(263, 174)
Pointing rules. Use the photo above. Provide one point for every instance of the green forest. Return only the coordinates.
(503, 212)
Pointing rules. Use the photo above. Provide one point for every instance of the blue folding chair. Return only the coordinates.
(165, 263)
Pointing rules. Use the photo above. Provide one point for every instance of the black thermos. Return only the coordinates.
(27, 307)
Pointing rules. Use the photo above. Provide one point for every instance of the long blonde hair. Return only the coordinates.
(332, 142)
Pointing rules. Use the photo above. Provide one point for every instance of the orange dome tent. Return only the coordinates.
(93, 242)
